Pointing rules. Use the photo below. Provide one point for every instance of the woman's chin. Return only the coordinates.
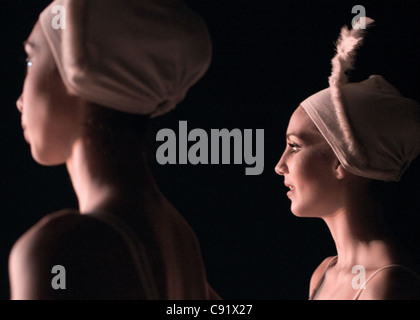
(298, 214)
(46, 158)
(301, 212)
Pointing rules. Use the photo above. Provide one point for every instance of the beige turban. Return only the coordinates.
(135, 56)
(385, 128)
(372, 129)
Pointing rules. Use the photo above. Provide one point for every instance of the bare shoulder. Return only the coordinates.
(395, 283)
(45, 233)
(31, 255)
(319, 271)
(85, 247)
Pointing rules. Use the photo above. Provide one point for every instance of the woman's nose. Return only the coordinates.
(19, 104)
(281, 167)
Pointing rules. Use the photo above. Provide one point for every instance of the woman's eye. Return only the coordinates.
(294, 147)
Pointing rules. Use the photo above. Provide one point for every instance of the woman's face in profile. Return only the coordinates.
(51, 118)
(309, 167)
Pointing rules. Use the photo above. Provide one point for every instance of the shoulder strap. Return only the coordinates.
(381, 269)
(321, 279)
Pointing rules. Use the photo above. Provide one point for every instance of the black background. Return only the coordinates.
(268, 56)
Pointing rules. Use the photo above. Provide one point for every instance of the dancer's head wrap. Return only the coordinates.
(372, 129)
(135, 56)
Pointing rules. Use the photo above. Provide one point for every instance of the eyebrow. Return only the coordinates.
(306, 136)
(302, 136)
(297, 135)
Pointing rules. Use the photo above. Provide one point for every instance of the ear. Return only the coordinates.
(339, 171)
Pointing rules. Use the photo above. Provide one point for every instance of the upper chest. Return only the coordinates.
(339, 287)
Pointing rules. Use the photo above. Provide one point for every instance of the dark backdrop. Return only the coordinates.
(268, 56)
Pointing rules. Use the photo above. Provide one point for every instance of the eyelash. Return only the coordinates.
(295, 148)
(28, 62)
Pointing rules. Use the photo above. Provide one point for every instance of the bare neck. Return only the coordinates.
(99, 192)
(360, 235)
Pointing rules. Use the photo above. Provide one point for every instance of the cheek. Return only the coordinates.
(50, 119)
(315, 184)
(34, 112)
(309, 184)
(312, 169)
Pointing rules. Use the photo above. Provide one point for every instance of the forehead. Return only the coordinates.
(301, 125)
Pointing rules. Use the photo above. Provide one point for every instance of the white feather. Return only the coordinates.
(346, 48)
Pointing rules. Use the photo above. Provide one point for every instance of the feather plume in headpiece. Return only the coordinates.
(372, 129)
(346, 47)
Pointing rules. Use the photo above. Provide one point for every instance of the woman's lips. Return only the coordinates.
(25, 132)
(292, 189)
